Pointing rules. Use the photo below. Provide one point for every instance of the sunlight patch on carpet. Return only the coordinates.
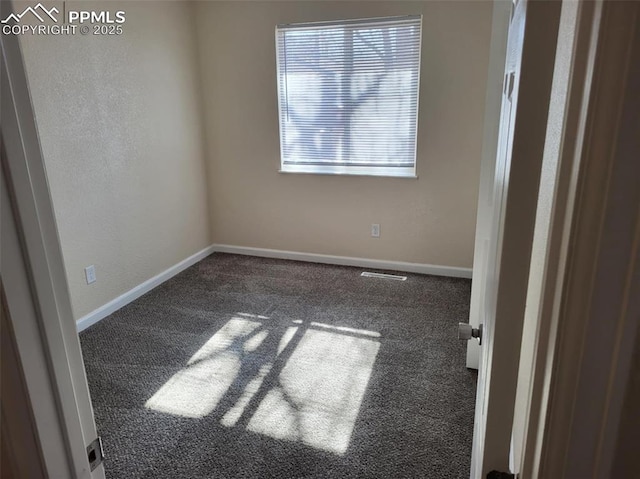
(196, 390)
(319, 393)
(313, 397)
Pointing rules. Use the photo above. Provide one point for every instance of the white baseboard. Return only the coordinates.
(451, 271)
(133, 294)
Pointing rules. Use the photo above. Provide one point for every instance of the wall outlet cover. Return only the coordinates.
(90, 274)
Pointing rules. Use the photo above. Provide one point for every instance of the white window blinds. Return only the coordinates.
(348, 96)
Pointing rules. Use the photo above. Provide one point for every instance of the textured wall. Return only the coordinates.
(120, 126)
(428, 220)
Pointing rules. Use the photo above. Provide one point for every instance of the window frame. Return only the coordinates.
(349, 170)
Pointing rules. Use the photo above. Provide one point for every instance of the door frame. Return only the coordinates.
(34, 277)
(587, 324)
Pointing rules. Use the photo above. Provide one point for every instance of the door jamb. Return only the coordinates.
(25, 175)
(585, 336)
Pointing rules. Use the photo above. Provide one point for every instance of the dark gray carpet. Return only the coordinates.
(245, 367)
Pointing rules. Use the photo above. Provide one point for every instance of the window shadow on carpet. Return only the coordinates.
(303, 381)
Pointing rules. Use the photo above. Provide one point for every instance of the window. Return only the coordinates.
(348, 96)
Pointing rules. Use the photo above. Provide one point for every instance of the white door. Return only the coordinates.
(492, 113)
(500, 288)
(489, 284)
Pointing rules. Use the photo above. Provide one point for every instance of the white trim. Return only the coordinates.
(32, 358)
(133, 294)
(398, 172)
(451, 271)
(45, 294)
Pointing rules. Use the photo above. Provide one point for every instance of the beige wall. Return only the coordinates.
(120, 126)
(137, 188)
(429, 220)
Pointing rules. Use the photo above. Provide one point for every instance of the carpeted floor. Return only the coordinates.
(245, 367)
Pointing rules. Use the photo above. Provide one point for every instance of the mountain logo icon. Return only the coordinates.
(39, 11)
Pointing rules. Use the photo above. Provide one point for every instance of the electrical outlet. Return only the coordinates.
(375, 231)
(90, 274)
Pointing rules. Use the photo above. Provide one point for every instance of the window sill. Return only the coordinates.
(351, 171)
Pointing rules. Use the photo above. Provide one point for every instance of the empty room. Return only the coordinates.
(248, 231)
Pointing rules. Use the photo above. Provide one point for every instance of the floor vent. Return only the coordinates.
(395, 277)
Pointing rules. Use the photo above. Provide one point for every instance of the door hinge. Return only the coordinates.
(95, 453)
